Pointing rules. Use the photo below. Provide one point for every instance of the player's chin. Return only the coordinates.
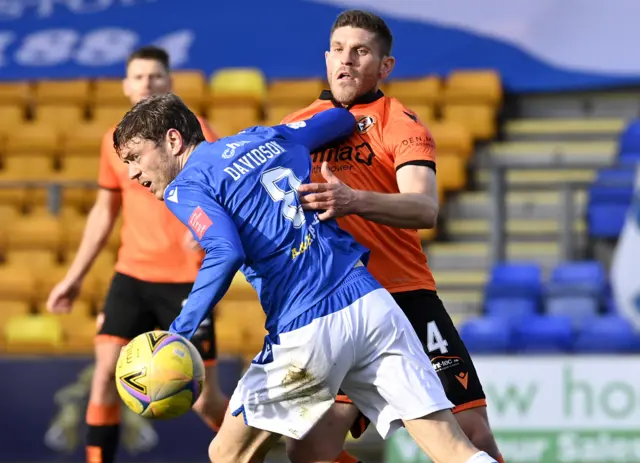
(346, 93)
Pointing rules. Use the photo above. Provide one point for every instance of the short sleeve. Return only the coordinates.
(107, 176)
(410, 141)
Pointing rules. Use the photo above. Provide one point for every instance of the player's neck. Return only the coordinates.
(185, 155)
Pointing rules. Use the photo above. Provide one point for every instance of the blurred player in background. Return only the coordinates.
(330, 324)
(153, 276)
(381, 184)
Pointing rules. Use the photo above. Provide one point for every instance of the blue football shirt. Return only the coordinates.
(238, 197)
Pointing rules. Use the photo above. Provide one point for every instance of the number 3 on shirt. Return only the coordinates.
(290, 210)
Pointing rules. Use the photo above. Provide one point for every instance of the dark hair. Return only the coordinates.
(369, 22)
(151, 52)
(151, 118)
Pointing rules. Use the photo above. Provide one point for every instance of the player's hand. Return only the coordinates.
(190, 243)
(334, 197)
(62, 296)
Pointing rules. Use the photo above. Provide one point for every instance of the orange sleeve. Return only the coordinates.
(107, 177)
(410, 141)
(209, 134)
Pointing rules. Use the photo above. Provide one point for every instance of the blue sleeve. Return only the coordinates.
(323, 128)
(217, 235)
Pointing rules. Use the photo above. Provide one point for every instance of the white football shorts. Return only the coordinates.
(368, 349)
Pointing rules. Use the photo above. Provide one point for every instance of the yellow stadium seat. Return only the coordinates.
(15, 93)
(483, 87)
(238, 85)
(275, 113)
(47, 280)
(109, 116)
(62, 117)
(15, 196)
(452, 137)
(11, 116)
(425, 112)
(235, 116)
(294, 92)
(80, 168)
(29, 258)
(241, 326)
(27, 168)
(191, 87)
(16, 283)
(10, 309)
(33, 139)
(86, 140)
(480, 120)
(451, 172)
(223, 128)
(33, 333)
(8, 213)
(41, 232)
(108, 92)
(62, 92)
(241, 289)
(412, 92)
(428, 234)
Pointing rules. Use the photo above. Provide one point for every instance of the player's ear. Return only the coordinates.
(387, 65)
(174, 142)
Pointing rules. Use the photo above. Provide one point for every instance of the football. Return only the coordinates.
(159, 375)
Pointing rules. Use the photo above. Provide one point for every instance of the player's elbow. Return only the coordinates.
(428, 215)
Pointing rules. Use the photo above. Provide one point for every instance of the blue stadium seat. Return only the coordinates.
(621, 175)
(629, 140)
(487, 335)
(607, 334)
(606, 219)
(515, 280)
(510, 309)
(578, 278)
(610, 193)
(543, 334)
(629, 158)
(579, 308)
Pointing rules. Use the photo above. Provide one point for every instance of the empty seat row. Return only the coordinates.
(546, 334)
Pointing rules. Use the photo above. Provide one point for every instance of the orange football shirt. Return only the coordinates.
(388, 137)
(151, 240)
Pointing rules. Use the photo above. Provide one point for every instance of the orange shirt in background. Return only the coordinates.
(152, 237)
(388, 137)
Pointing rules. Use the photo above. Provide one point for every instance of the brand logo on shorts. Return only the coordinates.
(199, 222)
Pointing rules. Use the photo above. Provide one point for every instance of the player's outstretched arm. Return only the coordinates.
(218, 237)
(326, 127)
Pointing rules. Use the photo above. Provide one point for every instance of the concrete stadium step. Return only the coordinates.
(579, 129)
(477, 255)
(459, 279)
(580, 105)
(461, 303)
(566, 152)
(546, 177)
(516, 229)
(520, 205)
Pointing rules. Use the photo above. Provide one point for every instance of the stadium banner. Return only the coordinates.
(536, 45)
(43, 416)
(625, 281)
(564, 409)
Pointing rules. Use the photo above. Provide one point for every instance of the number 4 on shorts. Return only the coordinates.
(435, 341)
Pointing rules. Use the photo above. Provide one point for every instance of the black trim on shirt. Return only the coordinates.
(418, 162)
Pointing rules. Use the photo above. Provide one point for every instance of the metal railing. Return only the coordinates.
(499, 187)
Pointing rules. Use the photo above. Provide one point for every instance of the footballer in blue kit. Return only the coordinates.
(330, 324)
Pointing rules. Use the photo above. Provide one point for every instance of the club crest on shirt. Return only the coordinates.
(365, 123)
